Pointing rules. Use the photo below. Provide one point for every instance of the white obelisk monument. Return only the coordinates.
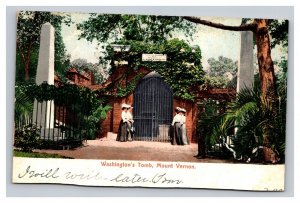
(245, 75)
(246, 66)
(43, 112)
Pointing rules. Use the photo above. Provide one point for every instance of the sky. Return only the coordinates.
(213, 42)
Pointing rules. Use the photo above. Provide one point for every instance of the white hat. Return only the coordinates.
(127, 106)
(178, 108)
(183, 110)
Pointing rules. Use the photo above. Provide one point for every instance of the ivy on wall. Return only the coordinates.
(129, 87)
(83, 98)
(182, 71)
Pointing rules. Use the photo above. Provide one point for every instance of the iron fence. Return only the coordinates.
(59, 121)
(153, 109)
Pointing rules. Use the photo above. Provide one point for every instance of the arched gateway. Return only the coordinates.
(152, 109)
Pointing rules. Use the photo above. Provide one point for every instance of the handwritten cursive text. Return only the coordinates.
(47, 173)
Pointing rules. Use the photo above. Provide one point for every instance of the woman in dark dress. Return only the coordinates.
(176, 129)
(124, 131)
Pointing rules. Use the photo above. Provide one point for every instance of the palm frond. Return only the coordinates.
(23, 106)
(253, 117)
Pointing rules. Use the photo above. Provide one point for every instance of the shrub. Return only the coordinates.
(27, 138)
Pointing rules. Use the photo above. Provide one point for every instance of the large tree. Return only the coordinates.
(267, 79)
(261, 32)
(28, 36)
(221, 73)
(81, 65)
(149, 34)
(221, 66)
(159, 29)
(113, 27)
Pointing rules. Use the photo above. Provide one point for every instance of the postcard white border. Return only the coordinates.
(125, 173)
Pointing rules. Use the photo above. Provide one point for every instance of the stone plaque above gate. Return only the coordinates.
(154, 57)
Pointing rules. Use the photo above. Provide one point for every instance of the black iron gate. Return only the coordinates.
(153, 107)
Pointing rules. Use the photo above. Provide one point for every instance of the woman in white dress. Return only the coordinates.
(185, 140)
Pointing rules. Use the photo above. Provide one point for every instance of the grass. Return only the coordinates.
(37, 155)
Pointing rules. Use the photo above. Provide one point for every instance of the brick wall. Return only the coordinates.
(112, 121)
(106, 125)
(117, 110)
(191, 112)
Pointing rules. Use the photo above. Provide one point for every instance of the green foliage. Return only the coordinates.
(101, 112)
(82, 98)
(23, 106)
(279, 31)
(182, 70)
(81, 65)
(253, 118)
(28, 39)
(27, 138)
(222, 65)
(149, 34)
(282, 92)
(93, 122)
(214, 81)
(129, 87)
(222, 73)
(79, 100)
(208, 116)
(17, 153)
(282, 76)
(104, 28)
(20, 65)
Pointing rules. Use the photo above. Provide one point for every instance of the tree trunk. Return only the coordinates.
(266, 71)
(266, 66)
(267, 83)
(27, 61)
(265, 62)
(26, 70)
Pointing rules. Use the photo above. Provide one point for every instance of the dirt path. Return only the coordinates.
(108, 148)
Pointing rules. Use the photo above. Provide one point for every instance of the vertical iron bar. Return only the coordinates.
(50, 120)
(63, 124)
(59, 121)
(53, 131)
(72, 121)
(36, 116)
(152, 109)
(45, 123)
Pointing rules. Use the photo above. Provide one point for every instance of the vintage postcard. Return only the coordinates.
(132, 100)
